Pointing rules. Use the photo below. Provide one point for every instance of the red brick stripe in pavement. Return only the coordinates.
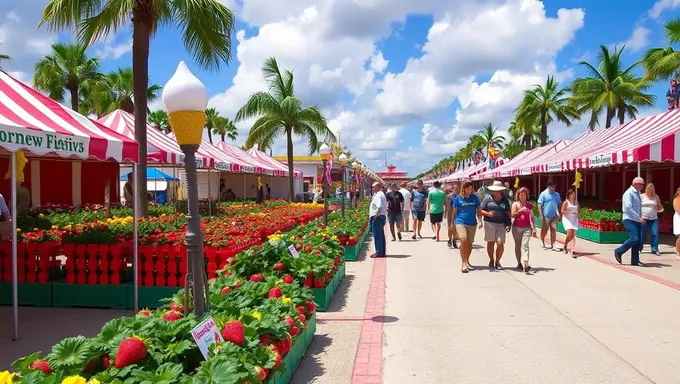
(368, 360)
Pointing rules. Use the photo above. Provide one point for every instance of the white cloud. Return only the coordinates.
(638, 40)
(662, 5)
(21, 39)
(112, 50)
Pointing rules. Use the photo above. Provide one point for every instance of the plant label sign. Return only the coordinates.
(293, 251)
(206, 334)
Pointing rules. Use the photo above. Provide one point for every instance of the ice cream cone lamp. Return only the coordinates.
(325, 154)
(185, 98)
(343, 161)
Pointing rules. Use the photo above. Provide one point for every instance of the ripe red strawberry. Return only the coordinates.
(91, 365)
(288, 279)
(227, 273)
(106, 361)
(277, 358)
(308, 248)
(281, 347)
(265, 339)
(291, 323)
(300, 309)
(176, 307)
(309, 281)
(311, 306)
(235, 332)
(295, 331)
(316, 252)
(225, 290)
(256, 278)
(275, 293)
(41, 365)
(279, 267)
(299, 246)
(302, 318)
(319, 283)
(237, 285)
(288, 343)
(261, 373)
(172, 316)
(130, 351)
(144, 313)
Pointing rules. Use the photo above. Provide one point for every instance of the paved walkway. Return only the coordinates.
(414, 318)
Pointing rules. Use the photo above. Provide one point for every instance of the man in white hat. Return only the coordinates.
(497, 222)
(377, 213)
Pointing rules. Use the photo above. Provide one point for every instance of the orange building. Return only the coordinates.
(392, 175)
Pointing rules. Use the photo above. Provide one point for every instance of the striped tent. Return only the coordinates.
(223, 162)
(161, 148)
(232, 150)
(33, 122)
(279, 168)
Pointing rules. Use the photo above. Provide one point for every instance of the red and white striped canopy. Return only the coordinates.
(257, 166)
(471, 173)
(161, 148)
(279, 168)
(223, 162)
(33, 122)
(521, 164)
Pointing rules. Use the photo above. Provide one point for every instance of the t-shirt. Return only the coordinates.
(437, 199)
(467, 209)
(418, 199)
(500, 210)
(394, 200)
(549, 202)
(407, 199)
(449, 202)
(524, 218)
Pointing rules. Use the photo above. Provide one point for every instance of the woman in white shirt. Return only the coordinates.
(651, 207)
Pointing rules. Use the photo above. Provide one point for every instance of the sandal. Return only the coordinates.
(527, 269)
(464, 270)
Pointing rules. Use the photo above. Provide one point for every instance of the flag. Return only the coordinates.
(329, 166)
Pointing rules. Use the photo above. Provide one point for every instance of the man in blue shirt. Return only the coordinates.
(549, 205)
(419, 202)
(632, 220)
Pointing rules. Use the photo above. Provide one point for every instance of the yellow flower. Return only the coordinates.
(256, 315)
(6, 377)
(93, 381)
(68, 227)
(74, 380)
(334, 237)
(286, 300)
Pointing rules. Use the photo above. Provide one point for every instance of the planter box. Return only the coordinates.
(592, 235)
(91, 295)
(29, 294)
(323, 296)
(150, 297)
(351, 253)
(292, 360)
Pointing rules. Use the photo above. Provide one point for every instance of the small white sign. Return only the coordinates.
(206, 334)
(293, 251)
(555, 167)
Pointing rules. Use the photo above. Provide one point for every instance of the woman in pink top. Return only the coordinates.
(522, 228)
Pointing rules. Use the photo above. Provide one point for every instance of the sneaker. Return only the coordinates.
(499, 267)
(556, 249)
(491, 263)
(520, 267)
(414, 236)
(617, 257)
(399, 236)
(543, 245)
(453, 242)
(449, 243)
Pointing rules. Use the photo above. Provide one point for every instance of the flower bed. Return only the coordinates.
(597, 225)
(351, 230)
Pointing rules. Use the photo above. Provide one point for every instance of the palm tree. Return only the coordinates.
(66, 69)
(159, 119)
(546, 103)
(211, 117)
(610, 89)
(225, 128)
(512, 149)
(526, 133)
(205, 25)
(663, 63)
(489, 137)
(4, 57)
(114, 91)
(279, 112)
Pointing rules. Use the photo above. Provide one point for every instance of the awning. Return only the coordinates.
(279, 168)
(521, 164)
(33, 122)
(232, 150)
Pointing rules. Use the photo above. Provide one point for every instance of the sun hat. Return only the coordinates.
(375, 184)
(496, 186)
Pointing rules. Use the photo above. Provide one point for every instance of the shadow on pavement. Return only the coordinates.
(651, 264)
(385, 319)
(340, 297)
(311, 367)
(397, 256)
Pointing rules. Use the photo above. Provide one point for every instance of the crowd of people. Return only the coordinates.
(498, 210)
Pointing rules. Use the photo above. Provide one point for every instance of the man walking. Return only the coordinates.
(437, 199)
(406, 211)
(419, 202)
(450, 219)
(549, 205)
(632, 220)
(497, 222)
(377, 213)
(395, 203)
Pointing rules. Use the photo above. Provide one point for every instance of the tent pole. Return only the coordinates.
(244, 187)
(15, 261)
(135, 234)
(638, 169)
(209, 194)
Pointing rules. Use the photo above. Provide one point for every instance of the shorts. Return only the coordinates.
(419, 215)
(549, 222)
(436, 217)
(466, 232)
(494, 232)
(394, 217)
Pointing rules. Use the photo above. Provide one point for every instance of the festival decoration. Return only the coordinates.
(577, 180)
(516, 182)
(21, 162)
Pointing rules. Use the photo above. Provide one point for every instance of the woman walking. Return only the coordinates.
(570, 214)
(497, 222)
(651, 207)
(676, 220)
(466, 214)
(523, 228)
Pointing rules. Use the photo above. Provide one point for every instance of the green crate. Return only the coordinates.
(352, 252)
(323, 296)
(150, 297)
(293, 359)
(91, 295)
(603, 237)
(29, 294)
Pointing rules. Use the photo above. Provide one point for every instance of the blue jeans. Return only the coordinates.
(653, 227)
(378, 229)
(633, 242)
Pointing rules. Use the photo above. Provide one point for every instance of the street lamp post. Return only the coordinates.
(355, 169)
(185, 99)
(343, 160)
(325, 154)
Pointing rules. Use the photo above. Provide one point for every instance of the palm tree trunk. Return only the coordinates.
(209, 136)
(289, 150)
(141, 34)
(223, 137)
(128, 105)
(621, 114)
(74, 97)
(527, 142)
(544, 129)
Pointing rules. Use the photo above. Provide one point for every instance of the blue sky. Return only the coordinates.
(413, 78)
